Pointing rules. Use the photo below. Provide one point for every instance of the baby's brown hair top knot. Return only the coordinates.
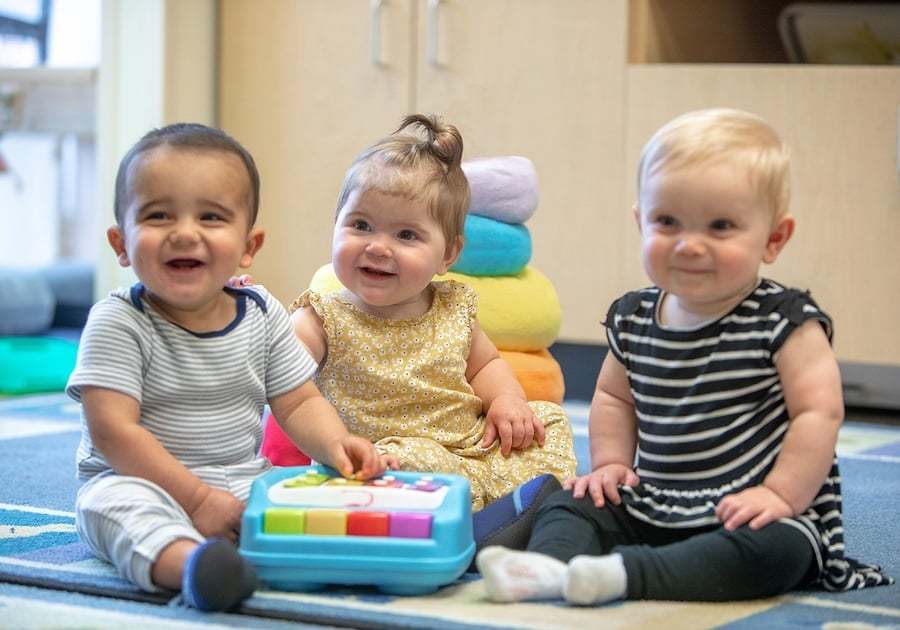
(421, 160)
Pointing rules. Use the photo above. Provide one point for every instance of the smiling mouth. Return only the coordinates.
(377, 273)
(694, 272)
(184, 263)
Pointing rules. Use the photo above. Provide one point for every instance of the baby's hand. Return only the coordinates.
(759, 505)
(217, 513)
(236, 282)
(603, 483)
(389, 462)
(356, 458)
(510, 418)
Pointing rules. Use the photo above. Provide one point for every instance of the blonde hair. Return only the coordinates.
(420, 160)
(722, 135)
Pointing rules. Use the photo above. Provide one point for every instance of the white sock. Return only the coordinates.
(595, 579)
(512, 576)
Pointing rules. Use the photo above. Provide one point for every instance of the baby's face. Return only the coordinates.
(705, 231)
(386, 250)
(185, 228)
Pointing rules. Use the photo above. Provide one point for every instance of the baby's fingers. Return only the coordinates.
(539, 431)
(596, 487)
(761, 520)
(579, 486)
(506, 437)
(611, 489)
(524, 434)
(490, 435)
(390, 462)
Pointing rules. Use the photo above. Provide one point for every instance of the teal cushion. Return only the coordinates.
(493, 248)
(35, 364)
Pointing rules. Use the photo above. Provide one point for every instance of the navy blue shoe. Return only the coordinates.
(507, 522)
(216, 577)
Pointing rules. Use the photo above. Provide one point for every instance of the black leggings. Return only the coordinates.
(698, 564)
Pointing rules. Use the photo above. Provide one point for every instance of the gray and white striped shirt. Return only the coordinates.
(201, 395)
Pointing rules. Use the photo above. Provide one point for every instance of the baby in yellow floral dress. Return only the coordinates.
(402, 357)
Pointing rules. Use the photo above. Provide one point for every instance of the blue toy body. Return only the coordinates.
(406, 533)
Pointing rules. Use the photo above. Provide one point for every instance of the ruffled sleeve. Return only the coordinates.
(627, 305)
(793, 308)
(320, 304)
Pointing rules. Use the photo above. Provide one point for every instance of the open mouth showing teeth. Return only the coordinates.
(376, 272)
(184, 263)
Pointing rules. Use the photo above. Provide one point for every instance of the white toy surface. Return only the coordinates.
(353, 495)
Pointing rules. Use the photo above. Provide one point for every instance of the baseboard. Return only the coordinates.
(580, 363)
(866, 385)
(871, 385)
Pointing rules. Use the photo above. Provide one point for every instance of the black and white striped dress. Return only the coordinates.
(712, 416)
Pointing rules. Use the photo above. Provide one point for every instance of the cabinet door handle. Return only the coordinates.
(431, 43)
(375, 7)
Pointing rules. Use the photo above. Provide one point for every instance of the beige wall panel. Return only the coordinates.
(841, 124)
(544, 79)
(299, 88)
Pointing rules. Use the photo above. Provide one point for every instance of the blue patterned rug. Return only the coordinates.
(48, 576)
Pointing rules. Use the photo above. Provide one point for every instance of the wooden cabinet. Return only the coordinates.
(540, 78)
(299, 86)
(841, 123)
(306, 84)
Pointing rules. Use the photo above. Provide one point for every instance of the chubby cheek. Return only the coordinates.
(341, 259)
(653, 256)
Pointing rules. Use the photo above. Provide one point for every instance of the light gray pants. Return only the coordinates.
(128, 521)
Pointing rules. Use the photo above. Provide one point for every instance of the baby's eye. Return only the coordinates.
(155, 215)
(211, 216)
(666, 220)
(406, 235)
(721, 225)
(359, 224)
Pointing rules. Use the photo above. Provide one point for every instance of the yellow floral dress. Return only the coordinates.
(402, 385)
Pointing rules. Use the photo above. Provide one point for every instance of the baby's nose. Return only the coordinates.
(377, 246)
(184, 232)
(690, 245)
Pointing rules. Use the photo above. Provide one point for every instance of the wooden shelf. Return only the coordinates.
(707, 31)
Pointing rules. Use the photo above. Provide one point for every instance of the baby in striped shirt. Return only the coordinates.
(173, 374)
(716, 412)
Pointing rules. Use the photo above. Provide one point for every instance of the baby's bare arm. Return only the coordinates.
(311, 332)
(113, 420)
(488, 374)
(612, 424)
(811, 383)
(313, 424)
(507, 413)
(613, 437)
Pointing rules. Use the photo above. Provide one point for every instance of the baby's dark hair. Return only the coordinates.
(186, 136)
(420, 160)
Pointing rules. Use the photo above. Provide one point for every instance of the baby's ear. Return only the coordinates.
(779, 236)
(116, 240)
(255, 239)
(451, 254)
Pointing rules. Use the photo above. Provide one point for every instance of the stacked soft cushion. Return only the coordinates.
(518, 308)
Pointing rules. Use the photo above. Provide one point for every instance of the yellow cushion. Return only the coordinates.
(520, 312)
(539, 374)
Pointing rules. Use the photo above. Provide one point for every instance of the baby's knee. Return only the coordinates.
(563, 501)
(779, 558)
